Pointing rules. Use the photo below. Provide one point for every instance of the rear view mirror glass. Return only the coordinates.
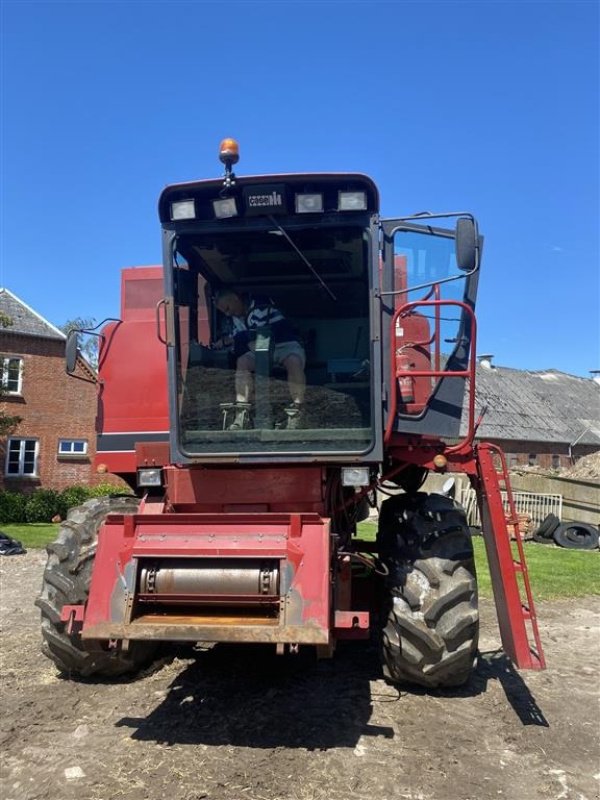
(71, 351)
(466, 244)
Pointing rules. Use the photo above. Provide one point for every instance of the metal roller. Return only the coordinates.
(198, 580)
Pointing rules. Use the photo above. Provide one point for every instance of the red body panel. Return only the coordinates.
(300, 489)
(132, 387)
(299, 542)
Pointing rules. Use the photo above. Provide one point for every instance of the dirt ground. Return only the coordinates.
(231, 723)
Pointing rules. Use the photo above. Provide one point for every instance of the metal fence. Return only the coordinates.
(537, 506)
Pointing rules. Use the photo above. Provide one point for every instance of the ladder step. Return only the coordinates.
(526, 612)
(518, 566)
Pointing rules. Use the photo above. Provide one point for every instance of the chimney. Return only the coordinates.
(595, 373)
(485, 360)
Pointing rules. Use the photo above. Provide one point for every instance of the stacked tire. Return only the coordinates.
(544, 533)
(572, 535)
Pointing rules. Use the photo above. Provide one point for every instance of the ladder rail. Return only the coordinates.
(513, 613)
(532, 616)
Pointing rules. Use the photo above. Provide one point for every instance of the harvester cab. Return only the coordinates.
(315, 357)
(305, 261)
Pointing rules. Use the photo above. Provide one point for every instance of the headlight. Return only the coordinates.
(149, 477)
(352, 201)
(184, 209)
(309, 203)
(224, 209)
(355, 476)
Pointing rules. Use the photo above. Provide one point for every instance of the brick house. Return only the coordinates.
(540, 418)
(54, 444)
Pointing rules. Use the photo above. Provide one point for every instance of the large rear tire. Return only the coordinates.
(67, 582)
(431, 620)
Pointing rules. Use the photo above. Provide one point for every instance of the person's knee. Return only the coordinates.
(293, 363)
(245, 363)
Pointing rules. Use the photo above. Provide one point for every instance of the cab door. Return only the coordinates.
(427, 301)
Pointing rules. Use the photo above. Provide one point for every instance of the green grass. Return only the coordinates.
(554, 572)
(32, 535)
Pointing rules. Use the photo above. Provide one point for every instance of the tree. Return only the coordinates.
(88, 345)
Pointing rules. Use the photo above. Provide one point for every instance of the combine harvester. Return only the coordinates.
(248, 481)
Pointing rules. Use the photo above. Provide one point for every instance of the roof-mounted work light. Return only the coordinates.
(309, 203)
(183, 209)
(352, 201)
(225, 208)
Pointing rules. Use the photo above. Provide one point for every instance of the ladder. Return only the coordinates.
(510, 579)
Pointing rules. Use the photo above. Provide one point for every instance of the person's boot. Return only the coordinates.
(241, 416)
(294, 417)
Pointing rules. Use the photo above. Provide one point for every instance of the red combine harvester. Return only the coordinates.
(295, 357)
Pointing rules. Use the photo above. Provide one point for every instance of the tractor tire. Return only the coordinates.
(576, 536)
(543, 539)
(66, 581)
(431, 620)
(546, 528)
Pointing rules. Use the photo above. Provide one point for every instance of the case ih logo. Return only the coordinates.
(273, 199)
(265, 199)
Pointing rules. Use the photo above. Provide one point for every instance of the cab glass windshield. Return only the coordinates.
(273, 340)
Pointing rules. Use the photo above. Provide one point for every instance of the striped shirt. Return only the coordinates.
(261, 313)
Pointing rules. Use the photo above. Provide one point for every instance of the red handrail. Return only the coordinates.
(404, 310)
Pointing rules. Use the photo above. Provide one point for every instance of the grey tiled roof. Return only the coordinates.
(24, 319)
(545, 406)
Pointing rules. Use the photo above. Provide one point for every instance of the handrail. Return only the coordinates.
(404, 310)
(169, 337)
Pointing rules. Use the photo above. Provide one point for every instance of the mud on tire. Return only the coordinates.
(67, 581)
(431, 622)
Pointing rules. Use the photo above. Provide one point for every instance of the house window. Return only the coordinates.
(22, 457)
(12, 374)
(72, 447)
(555, 462)
(532, 459)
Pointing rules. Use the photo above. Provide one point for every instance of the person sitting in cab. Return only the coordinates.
(248, 315)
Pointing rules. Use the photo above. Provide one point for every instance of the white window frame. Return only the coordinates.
(72, 452)
(5, 364)
(36, 457)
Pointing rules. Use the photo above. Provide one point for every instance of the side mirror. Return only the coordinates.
(71, 351)
(466, 244)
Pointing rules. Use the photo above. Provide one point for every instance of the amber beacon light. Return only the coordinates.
(229, 151)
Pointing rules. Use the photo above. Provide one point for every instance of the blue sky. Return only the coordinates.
(484, 106)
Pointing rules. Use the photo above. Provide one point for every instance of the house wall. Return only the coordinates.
(53, 406)
(547, 455)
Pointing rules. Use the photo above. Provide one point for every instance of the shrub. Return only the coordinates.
(12, 507)
(107, 489)
(44, 504)
(74, 496)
